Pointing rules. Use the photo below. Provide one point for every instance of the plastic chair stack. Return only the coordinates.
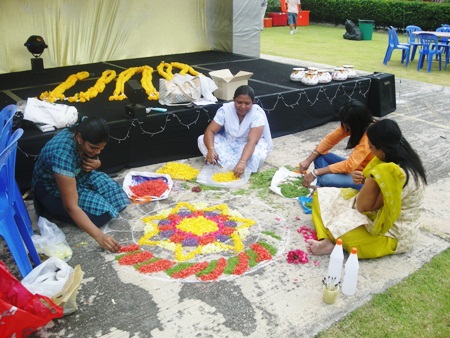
(429, 49)
(20, 210)
(393, 44)
(12, 228)
(412, 39)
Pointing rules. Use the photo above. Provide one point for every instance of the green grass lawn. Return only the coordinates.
(419, 306)
(325, 44)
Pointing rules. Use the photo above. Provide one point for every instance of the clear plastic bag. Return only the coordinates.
(206, 177)
(51, 241)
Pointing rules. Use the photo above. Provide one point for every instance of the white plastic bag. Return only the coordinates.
(48, 278)
(136, 177)
(52, 114)
(52, 240)
(206, 177)
(282, 175)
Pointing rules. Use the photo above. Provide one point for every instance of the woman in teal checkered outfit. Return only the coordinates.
(67, 187)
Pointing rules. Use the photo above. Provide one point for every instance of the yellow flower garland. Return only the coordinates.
(164, 69)
(167, 74)
(146, 81)
(99, 87)
(58, 92)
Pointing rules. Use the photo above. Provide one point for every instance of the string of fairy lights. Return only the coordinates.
(357, 88)
(360, 87)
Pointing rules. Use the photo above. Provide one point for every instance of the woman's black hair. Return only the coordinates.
(386, 136)
(357, 117)
(244, 90)
(94, 130)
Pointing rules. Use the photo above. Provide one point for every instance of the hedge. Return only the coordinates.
(385, 13)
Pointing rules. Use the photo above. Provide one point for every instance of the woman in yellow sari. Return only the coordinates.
(383, 217)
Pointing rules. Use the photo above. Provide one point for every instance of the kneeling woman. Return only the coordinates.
(239, 136)
(383, 218)
(66, 185)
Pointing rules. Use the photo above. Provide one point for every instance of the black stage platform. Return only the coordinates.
(159, 137)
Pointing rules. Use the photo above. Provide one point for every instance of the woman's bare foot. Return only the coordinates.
(319, 248)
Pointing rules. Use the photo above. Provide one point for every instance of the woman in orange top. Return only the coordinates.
(332, 170)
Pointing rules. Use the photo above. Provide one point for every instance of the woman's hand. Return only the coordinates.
(212, 156)
(239, 169)
(304, 165)
(108, 242)
(307, 179)
(358, 177)
(90, 164)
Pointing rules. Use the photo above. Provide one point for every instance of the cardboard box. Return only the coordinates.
(227, 83)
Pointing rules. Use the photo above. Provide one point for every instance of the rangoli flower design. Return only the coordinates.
(206, 242)
(189, 230)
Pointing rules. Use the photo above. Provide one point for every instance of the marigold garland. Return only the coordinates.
(98, 87)
(146, 82)
(109, 75)
(58, 92)
(165, 69)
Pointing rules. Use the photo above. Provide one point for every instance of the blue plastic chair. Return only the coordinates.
(429, 48)
(412, 39)
(15, 234)
(6, 118)
(444, 42)
(393, 44)
(20, 210)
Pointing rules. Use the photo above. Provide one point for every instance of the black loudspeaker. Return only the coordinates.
(135, 94)
(382, 100)
(134, 91)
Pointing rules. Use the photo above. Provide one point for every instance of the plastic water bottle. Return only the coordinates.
(351, 273)
(335, 265)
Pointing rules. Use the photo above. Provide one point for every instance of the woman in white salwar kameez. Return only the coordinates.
(239, 136)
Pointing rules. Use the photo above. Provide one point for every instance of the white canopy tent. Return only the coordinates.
(81, 31)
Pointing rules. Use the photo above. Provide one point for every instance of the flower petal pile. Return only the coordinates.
(179, 171)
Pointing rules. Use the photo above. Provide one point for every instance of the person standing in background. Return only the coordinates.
(263, 12)
(293, 7)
